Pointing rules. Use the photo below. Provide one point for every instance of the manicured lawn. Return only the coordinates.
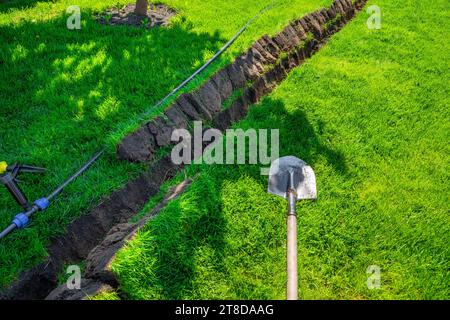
(65, 94)
(370, 113)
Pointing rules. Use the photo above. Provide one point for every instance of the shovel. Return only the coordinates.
(292, 179)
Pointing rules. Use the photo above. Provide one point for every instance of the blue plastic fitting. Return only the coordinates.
(42, 204)
(21, 221)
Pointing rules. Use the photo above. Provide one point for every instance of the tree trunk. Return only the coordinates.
(141, 7)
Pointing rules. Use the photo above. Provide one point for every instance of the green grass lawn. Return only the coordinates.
(66, 93)
(370, 114)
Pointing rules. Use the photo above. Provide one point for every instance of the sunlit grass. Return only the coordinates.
(64, 94)
(370, 113)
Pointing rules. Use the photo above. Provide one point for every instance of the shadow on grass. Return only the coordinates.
(194, 223)
(225, 215)
(83, 83)
(62, 91)
(298, 136)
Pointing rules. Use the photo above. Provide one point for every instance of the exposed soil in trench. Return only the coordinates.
(96, 236)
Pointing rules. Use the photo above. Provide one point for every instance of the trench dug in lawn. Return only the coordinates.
(97, 236)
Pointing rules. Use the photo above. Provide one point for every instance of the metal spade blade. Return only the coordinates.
(304, 179)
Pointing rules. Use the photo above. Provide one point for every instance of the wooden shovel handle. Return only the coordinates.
(292, 278)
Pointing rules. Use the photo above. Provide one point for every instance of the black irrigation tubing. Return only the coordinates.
(207, 63)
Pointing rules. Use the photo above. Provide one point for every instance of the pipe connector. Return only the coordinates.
(42, 204)
(21, 220)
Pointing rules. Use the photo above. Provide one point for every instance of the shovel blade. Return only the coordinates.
(304, 178)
